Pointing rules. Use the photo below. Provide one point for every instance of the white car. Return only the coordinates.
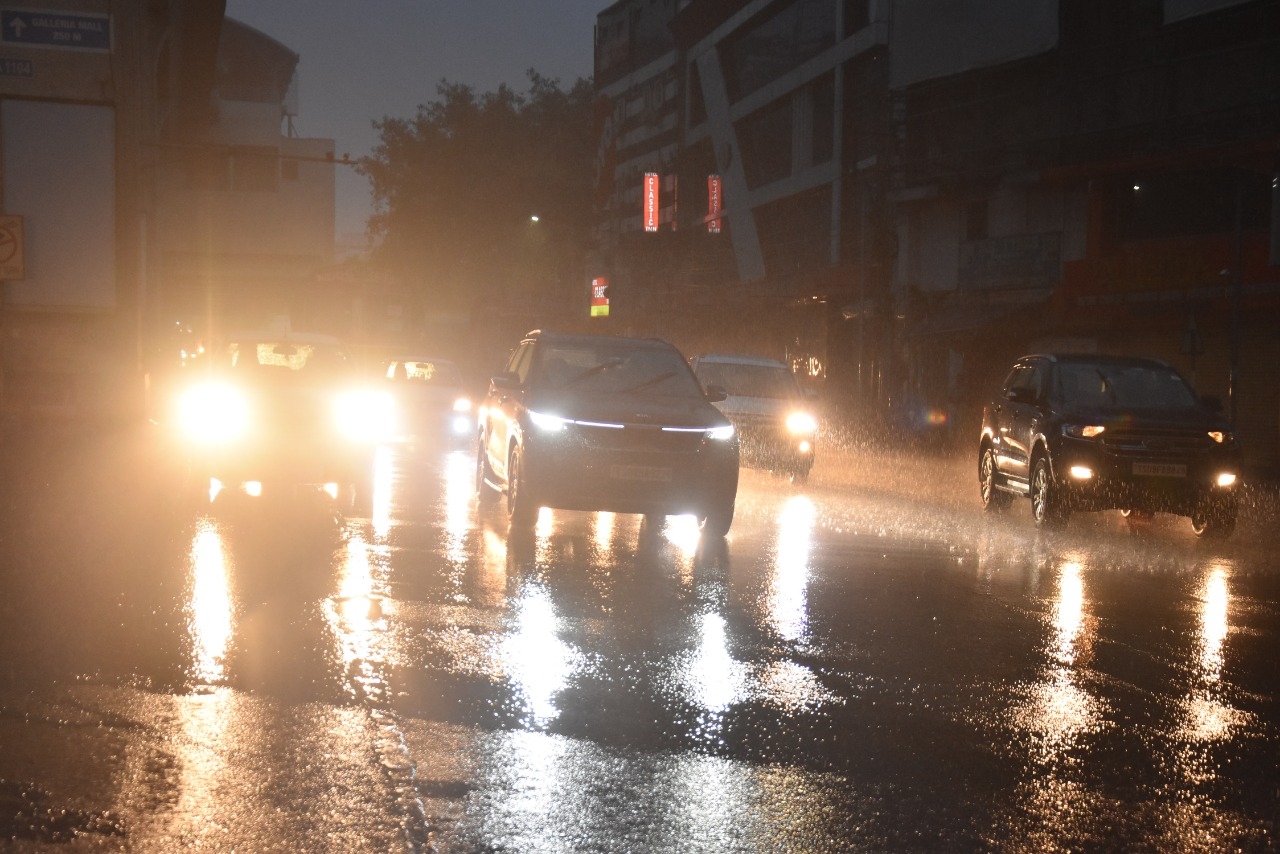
(774, 418)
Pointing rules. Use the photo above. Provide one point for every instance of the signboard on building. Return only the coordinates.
(652, 198)
(715, 201)
(71, 31)
(1016, 261)
(600, 296)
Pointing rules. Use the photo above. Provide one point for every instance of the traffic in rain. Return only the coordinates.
(674, 426)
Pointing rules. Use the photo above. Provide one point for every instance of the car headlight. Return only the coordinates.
(213, 413)
(364, 415)
(801, 423)
(1221, 437)
(720, 434)
(547, 422)
(1082, 431)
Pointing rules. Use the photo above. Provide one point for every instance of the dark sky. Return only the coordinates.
(363, 61)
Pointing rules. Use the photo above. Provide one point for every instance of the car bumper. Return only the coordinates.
(573, 478)
(1096, 479)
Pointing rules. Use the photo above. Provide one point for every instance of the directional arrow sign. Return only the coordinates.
(76, 31)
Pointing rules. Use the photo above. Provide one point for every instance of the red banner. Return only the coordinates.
(600, 296)
(651, 201)
(715, 201)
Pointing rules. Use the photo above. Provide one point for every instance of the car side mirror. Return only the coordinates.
(504, 383)
(1023, 395)
(1212, 402)
(716, 393)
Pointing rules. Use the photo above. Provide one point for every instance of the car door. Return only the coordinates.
(503, 407)
(1018, 417)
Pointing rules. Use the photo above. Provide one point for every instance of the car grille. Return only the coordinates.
(1156, 442)
(638, 438)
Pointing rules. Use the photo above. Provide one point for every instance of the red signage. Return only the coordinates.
(714, 203)
(651, 201)
(600, 296)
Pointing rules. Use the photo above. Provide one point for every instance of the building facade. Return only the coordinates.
(146, 174)
(915, 193)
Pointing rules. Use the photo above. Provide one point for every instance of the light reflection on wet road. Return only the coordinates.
(851, 669)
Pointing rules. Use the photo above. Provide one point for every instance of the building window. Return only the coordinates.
(765, 139)
(857, 15)
(763, 51)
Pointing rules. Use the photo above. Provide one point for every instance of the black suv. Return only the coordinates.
(1089, 432)
(602, 422)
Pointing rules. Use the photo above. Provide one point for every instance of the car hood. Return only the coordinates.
(736, 407)
(1181, 419)
(656, 410)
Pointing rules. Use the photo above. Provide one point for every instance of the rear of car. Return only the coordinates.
(775, 421)
(432, 401)
(594, 422)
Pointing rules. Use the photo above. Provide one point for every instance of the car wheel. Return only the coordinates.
(993, 498)
(484, 475)
(715, 522)
(520, 506)
(1048, 507)
(1214, 521)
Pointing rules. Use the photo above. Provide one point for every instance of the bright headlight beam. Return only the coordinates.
(214, 413)
(801, 422)
(364, 415)
(547, 422)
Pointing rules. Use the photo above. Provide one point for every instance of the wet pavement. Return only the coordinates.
(866, 663)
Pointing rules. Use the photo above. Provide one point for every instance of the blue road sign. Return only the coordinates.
(74, 31)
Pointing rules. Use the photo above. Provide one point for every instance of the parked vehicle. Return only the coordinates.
(775, 420)
(1088, 432)
(433, 403)
(271, 414)
(601, 422)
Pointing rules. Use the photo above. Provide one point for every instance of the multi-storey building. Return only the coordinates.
(914, 192)
(147, 172)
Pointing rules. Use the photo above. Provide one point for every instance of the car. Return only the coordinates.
(582, 421)
(433, 403)
(1094, 432)
(774, 419)
(275, 414)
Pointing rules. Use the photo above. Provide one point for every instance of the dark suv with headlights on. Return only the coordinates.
(1089, 432)
(603, 422)
(774, 419)
(278, 415)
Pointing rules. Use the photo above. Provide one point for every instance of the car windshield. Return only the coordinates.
(748, 380)
(1123, 387)
(610, 368)
(424, 372)
(284, 359)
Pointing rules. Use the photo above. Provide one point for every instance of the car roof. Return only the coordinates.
(597, 338)
(1098, 359)
(735, 359)
(439, 360)
(275, 336)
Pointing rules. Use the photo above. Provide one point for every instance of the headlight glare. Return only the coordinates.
(801, 423)
(213, 413)
(1221, 437)
(1083, 431)
(546, 422)
(720, 434)
(1226, 478)
(364, 415)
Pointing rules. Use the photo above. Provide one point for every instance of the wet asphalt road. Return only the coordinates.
(866, 663)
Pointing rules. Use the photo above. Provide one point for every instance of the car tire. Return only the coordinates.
(993, 498)
(520, 505)
(717, 519)
(484, 475)
(1214, 521)
(1048, 504)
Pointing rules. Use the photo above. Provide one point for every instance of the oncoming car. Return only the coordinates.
(602, 422)
(1088, 432)
(432, 400)
(774, 419)
(279, 415)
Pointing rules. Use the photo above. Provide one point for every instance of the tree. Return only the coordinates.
(456, 188)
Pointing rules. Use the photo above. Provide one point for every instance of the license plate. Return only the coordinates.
(646, 473)
(1160, 469)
